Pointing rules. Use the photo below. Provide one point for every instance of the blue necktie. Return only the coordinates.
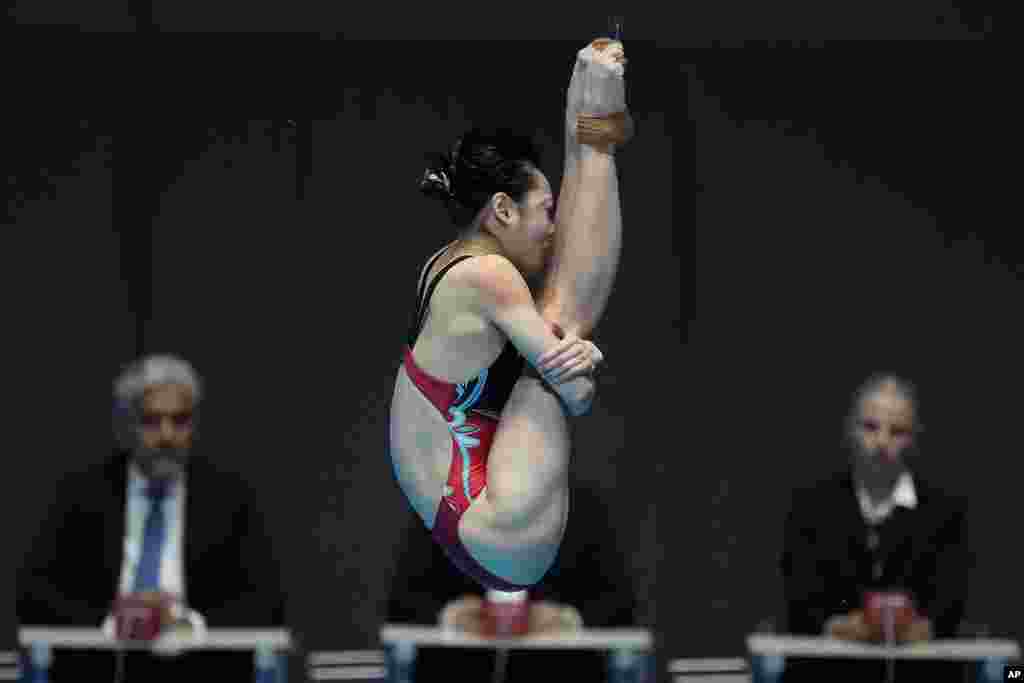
(147, 575)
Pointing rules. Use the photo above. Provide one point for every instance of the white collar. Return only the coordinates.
(903, 495)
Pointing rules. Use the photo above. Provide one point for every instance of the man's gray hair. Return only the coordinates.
(150, 371)
(878, 382)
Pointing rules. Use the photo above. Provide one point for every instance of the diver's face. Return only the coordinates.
(527, 228)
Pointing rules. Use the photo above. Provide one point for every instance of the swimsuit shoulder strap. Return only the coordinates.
(424, 299)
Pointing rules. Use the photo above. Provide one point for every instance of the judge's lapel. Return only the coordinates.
(848, 515)
(906, 525)
(114, 490)
(209, 513)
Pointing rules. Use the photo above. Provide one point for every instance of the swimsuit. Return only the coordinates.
(471, 410)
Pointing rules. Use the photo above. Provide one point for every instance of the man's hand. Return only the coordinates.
(162, 601)
(850, 627)
(185, 626)
(548, 617)
(465, 614)
(854, 627)
(175, 625)
(917, 631)
(171, 642)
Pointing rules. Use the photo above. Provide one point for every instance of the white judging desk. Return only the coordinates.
(769, 652)
(269, 647)
(630, 659)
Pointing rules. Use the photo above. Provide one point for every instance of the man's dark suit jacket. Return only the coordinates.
(827, 561)
(71, 572)
(590, 574)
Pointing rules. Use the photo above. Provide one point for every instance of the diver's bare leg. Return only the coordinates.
(588, 240)
(515, 530)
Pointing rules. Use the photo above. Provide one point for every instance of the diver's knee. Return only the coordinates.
(512, 505)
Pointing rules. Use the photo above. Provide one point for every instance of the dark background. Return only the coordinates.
(841, 211)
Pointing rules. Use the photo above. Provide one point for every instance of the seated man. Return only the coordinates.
(157, 520)
(589, 580)
(877, 525)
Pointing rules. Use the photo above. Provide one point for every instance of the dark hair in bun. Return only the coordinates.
(480, 164)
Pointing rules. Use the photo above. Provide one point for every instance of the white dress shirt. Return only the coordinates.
(172, 571)
(903, 494)
(172, 565)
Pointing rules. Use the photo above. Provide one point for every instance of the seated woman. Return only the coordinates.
(479, 447)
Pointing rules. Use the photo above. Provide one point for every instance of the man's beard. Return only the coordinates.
(873, 469)
(161, 463)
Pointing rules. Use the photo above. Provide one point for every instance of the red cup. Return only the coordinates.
(889, 612)
(506, 614)
(136, 618)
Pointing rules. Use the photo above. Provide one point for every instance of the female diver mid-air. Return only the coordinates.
(479, 436)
